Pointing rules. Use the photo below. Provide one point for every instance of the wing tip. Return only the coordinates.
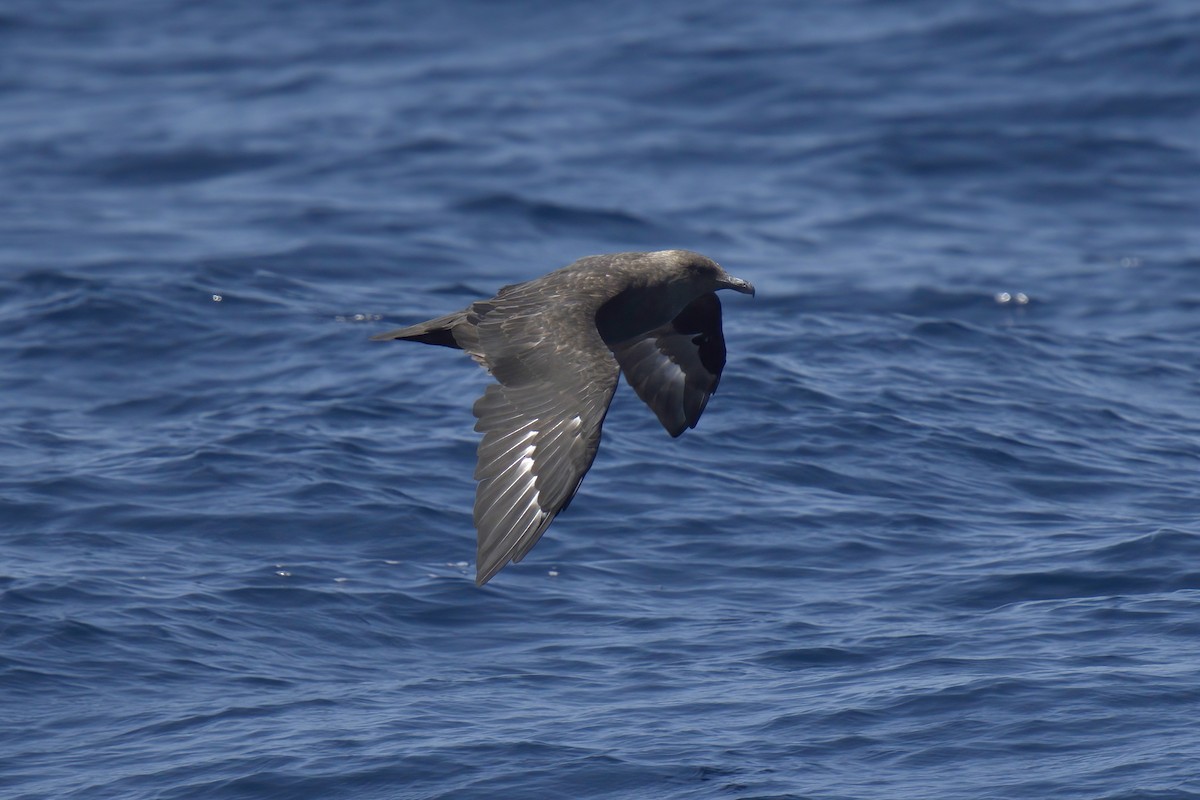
(485, 572)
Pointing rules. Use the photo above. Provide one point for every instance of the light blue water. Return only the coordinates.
(936, 536)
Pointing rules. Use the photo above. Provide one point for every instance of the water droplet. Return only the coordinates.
(1003, 297)
(217, 298)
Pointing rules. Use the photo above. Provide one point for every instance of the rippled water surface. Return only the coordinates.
(936, 536)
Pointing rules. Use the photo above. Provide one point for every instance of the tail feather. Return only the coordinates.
(435, 331)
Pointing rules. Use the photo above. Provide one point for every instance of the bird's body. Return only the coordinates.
(556, 346)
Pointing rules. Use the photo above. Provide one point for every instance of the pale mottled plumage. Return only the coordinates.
(556, 346)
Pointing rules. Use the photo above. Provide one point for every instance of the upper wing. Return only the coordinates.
(677, 367)
(541, 422)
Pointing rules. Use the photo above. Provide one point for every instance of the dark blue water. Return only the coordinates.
(937, 535)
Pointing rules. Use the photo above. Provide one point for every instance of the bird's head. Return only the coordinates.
(660, 285)
(701, 275)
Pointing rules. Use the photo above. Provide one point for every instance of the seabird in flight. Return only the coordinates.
(556, 346)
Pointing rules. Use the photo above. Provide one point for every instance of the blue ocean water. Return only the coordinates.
(936, 536)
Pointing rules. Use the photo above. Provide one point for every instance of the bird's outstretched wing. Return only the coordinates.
(677, 367)
(540, 422)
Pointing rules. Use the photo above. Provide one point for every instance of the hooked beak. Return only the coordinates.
(739, 285)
